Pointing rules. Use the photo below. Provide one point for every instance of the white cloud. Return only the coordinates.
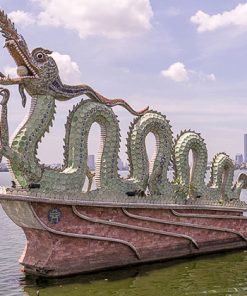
(108, 18)
(210, 77)
(234, 17)
(68, 70)
(11, 71)
(21, 18)
(179, 73)
(176, 72)
(172, 11)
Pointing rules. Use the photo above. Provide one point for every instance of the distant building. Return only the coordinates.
(245, 148)
(126, 167)
(3, 167)
(239, 159)
(91, 162)
(120, 164)
(56, 165)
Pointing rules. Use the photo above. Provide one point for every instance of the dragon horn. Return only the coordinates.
(7, 27)
(47, 51)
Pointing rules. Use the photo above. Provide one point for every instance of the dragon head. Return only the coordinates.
(36, 68)
(17, 47)
(38, 72)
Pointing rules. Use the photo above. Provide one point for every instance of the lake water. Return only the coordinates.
(222, 274)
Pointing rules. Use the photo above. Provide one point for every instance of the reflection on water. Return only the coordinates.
(224, 274)
(209, 275)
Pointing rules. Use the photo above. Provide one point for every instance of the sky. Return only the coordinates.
(186, 59)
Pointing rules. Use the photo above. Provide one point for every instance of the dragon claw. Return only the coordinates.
(4, 92)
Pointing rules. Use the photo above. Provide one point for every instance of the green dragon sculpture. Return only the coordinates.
(39, 77)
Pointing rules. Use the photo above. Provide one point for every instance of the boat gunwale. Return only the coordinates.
(118, 204)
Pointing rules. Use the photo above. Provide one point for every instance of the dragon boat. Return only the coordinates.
(143, 218)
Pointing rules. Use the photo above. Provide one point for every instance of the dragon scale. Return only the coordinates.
(26, 138)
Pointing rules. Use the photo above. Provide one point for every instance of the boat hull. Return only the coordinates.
(66, 239)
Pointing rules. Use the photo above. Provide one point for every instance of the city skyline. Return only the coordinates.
(245, 148)
(241, 158)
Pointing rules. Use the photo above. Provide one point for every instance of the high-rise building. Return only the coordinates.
(239, 159)
(91, 162)
(245, 148)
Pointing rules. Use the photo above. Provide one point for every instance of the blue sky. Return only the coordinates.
(186, 59)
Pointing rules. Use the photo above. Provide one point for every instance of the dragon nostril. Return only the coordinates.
(10, 42)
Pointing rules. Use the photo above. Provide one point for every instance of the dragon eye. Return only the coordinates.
(40, 55)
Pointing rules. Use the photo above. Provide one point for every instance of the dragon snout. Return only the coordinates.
(9, 43)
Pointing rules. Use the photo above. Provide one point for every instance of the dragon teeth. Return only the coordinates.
(11, 42)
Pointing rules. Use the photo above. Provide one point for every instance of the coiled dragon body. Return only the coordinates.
(38, 75)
